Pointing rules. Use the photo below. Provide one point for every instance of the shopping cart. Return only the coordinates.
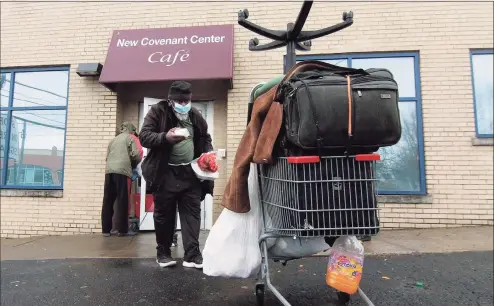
(294, 196)
(294, 189)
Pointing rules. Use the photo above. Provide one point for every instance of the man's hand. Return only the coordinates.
(172, 138)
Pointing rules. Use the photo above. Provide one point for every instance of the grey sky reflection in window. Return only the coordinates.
(40, 141)
(482, 69)
(4, 89)
(45, 88)
(35, 110)
(399, 168)
(402, 69)
(337, 62)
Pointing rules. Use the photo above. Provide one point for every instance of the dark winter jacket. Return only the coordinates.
(158, 121)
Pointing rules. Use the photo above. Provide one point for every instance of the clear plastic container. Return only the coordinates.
(182, 132)
(346, 263)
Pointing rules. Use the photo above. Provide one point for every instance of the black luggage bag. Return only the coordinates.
(333, 108)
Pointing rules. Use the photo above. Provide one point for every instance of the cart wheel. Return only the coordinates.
(260, 294)
(343, 298)
(134, 227)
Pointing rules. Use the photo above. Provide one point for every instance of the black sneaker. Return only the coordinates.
(164, 259)
(195, 263)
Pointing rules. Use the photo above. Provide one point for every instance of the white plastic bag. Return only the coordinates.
(288, 247)
(139, 169)
(232, 248)
(203, 175)
(298, 248)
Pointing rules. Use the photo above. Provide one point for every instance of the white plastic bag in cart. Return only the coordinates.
(297, 248)
(294, 247)
(291, 247)
(232, 248)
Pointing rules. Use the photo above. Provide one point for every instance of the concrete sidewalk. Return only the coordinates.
(143, 245)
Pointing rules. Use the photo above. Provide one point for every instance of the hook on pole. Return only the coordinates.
(293, 37)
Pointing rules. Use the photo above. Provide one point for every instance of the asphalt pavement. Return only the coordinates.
(461, 279)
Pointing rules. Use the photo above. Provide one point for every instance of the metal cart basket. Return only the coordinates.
(293, 197)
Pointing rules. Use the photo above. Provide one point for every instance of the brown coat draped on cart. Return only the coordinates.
(258, 141)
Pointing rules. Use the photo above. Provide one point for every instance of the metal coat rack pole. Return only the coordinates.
(293, 37)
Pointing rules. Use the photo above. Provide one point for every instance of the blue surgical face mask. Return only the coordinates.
(182, 109)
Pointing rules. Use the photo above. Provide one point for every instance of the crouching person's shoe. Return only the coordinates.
(164, 258)
(196, 262)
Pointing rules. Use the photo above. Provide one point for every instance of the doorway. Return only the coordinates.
(146, 214)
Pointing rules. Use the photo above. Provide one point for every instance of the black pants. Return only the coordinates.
(179, 187)
(116, 188)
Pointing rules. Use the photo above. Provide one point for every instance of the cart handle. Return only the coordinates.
(317, 159)
(368, 157)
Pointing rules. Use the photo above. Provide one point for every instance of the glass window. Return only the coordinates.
(4, 89)
(338, 62)
(39, 141)
(37, 120)
(46, 88)
(401, 68)
(401, 170)
(29, 175)
(3, 135)
(60, 176)
(482, 75)
(343, 62)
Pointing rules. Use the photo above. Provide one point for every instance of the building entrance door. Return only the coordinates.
(146, 211)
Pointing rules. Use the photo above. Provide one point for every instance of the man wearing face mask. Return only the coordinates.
(168, 173)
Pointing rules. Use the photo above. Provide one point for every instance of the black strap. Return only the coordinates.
(343, 70)
(349, 142)
(320, 140)
(323, 73)
(348, 146)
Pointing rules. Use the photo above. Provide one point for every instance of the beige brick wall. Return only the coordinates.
(459, 175)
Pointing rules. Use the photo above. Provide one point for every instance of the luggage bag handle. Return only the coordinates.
(313, 65)
(319, 74)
